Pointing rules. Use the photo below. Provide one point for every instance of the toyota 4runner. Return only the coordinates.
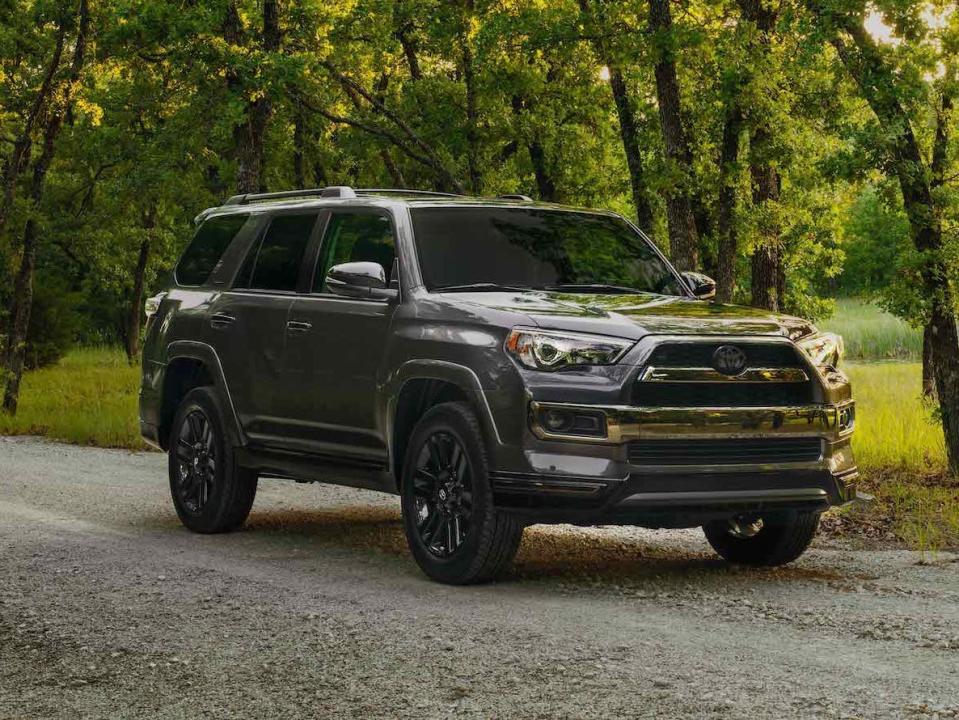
(496, 363)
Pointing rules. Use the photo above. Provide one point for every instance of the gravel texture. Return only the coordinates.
(108, 608)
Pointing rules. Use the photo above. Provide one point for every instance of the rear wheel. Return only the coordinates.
(210, 493)
(774, 539)
(454, 531)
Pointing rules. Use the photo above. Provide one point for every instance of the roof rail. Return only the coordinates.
(403, 191)
(514, 196)
(334, 191)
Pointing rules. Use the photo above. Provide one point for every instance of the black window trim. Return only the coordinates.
(247, 218)
(321, 243)
(318, 223)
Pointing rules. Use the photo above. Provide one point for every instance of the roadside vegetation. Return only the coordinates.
(871, 334)
(90, 398)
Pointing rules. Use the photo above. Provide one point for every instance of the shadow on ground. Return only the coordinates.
(564, 553)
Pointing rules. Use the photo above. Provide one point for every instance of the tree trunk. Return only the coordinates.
(544, 180)
(928, 363)
(545, 185)
(22, 300)
(683, 237)
(134, 316)
(879, 86)
(626, 114)
(299, 149)
(396, 175)
(768, 275)
(409, 52)
(472, 117)
(393, 169)
(249, 136)
(629, 134)
(766, 259)
(136, 301)
(20, 317)
(20, 155)
(726, 220)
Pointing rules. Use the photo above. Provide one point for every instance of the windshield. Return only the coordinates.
(529, 248)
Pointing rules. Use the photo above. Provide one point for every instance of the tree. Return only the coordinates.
(683, 235)
(19, 321)
(886, 92)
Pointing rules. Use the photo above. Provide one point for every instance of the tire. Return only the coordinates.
(455, 533)
(782, 538)
(210, 493)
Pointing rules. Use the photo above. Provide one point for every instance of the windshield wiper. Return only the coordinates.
(480, 287)
(597, 288)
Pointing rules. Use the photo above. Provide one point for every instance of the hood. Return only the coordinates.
(634, 316)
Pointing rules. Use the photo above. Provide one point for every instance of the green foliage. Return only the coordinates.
(871, 333)
(509, 96)
(54, 323)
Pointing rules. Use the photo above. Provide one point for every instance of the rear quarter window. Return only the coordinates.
(207, 247)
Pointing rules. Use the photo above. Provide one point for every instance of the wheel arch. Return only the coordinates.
(190, 365)
(421, 385)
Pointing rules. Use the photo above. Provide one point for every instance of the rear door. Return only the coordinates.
(248, 323)
(336, 346)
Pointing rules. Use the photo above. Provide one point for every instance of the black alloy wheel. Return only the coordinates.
(443, 494)
(196, 458)
(211, 493)
(456, 533)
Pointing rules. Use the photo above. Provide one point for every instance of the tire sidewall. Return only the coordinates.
(209, 517)
(464, 561)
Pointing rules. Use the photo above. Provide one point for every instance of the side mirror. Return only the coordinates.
(702, 286)
(359, 280)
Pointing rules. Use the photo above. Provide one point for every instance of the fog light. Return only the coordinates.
(570, 422)
(557, 420)
(847, 418)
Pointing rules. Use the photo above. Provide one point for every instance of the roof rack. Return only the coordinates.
(334, 191)
(515, 196)
(403, 191)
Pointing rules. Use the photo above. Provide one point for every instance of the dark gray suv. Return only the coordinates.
(496, 363)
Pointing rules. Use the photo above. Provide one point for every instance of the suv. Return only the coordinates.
(496, 363)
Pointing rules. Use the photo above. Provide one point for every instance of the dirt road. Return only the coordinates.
(109, 609)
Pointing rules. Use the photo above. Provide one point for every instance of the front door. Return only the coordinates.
(249, 323)
(336, 347)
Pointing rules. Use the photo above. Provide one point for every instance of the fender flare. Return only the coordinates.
(460, 375)
(201, 351)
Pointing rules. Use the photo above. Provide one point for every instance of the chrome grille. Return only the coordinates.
(682, 374)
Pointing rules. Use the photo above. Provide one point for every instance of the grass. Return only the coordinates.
(88, 398)
(901, 454)
(870, 333)
(895, 429)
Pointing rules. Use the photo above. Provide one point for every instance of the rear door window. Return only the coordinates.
(207, 247)
(274, 263)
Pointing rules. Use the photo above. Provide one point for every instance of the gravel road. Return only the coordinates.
(108, 608)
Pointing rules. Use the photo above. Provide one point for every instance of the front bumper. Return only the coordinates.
(608, 480)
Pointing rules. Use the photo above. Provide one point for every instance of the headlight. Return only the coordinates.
(549, 350)
(825, 349)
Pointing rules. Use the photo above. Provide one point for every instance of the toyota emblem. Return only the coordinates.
(729, 360)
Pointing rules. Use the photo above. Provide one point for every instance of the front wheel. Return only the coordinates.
(774, 539)
(210, 492)
(455, 533)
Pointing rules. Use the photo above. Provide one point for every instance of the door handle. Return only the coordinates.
(222, 320)
(300, 327)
